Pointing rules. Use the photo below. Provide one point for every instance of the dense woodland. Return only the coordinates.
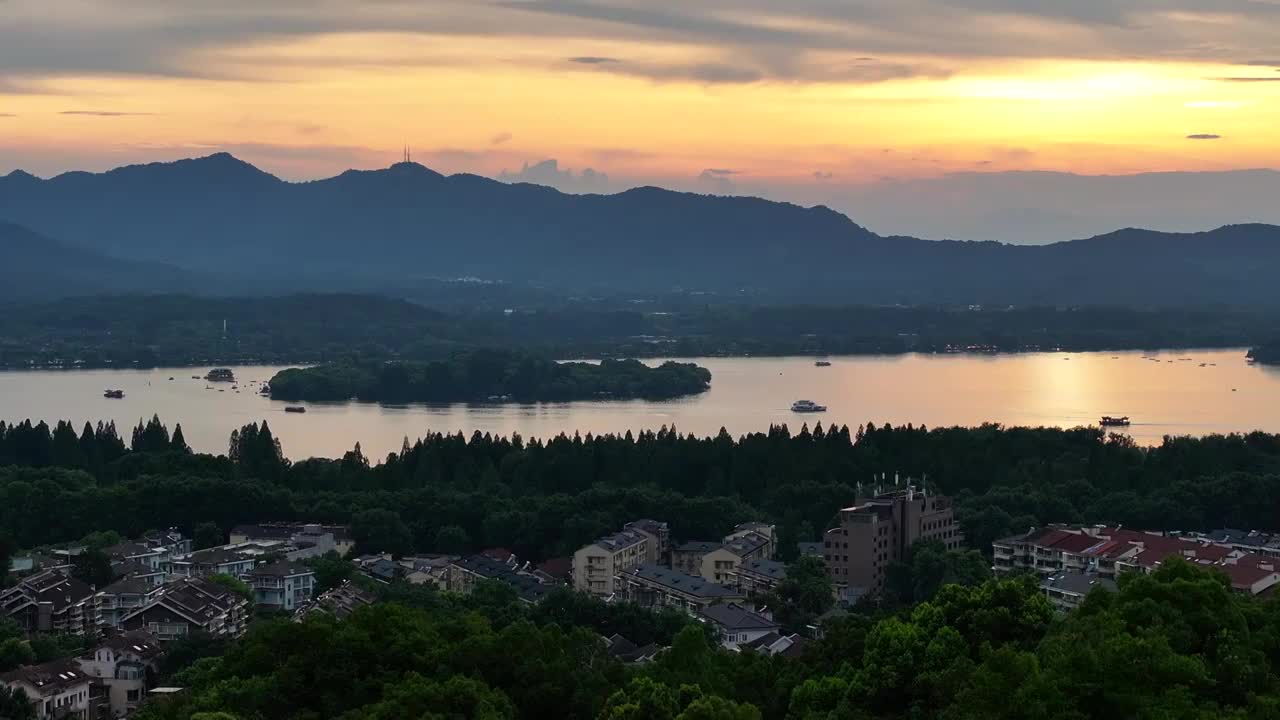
(481, 374)
(546, 497)
(173, 330)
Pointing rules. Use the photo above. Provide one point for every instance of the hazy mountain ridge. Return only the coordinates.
(220, 215)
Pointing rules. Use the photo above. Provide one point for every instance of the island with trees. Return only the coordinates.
(1267, 353)
(489, 375)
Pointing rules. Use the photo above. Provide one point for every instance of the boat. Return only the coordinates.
(221, 375)
(1108, 421)
(113, 394)
(822, 363)
(807, 406)
(294, 409)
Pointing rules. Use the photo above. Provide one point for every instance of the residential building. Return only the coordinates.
(382, 568)
(170, 541)
(51, 602)
(283, 585)
(58, 689)
(754, 530)
(214, 561)
(655, 586)
(126, 665)
(132, 569)
(148, 556)
(756, 577)
(811, 549)
(331, 537)
(596, 565)
(428, 570)
(466, 572)
(1255, 576)
(339, 602)
(736, 624)
(191, 605)
(876, 532)
(625, 651)
(1066, 590)
(687, 557)
(123, 597)
(556, 571)
(788, 646)
(659, 538)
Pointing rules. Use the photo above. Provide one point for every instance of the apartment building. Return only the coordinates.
(123, 597)
(596, 565)
(756, 531)
(1066, 590)
(283, 585)
(58, 689)
(659, 539)
(125, 665)
(191, 605)
(756, 577)
(51, 602)
(718, 561)
(878, 531)
(655, 586)
(236, 562)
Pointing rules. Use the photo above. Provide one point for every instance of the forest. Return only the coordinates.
(181, 330)
(1267, 353)
(478, 375)
(546, 497)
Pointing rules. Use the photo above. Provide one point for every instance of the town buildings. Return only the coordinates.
(596, 565)
(322, 537)
(737, 624)
(51, 601)
(717, 561)
(465, 573)
(191, 605)
(125, 665)
(123, 597)
(757, 577)
(283, 585)
(339, 602)
(654, 586)
(880, 530)
(58, 689)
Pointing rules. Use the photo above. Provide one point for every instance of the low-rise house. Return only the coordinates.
(654, 586)
(58, 689)
(131, 569)
(1066, 590)
(1252, 574)
(51, 602)
(428, 570)
(325, 538)
(811, 549)
(596, 565)
(756, 577)
(126, 665)
(789, 646)
(464, 573)
(152, 557)
(283, 585)
(339, 602)
(170, 541)
(381, 567)
(556, 571)
(213, 561)
(191, 605)
(737, 624)
(625, 651)
(122, 597)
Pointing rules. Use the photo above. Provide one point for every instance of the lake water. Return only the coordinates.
(1171, 395)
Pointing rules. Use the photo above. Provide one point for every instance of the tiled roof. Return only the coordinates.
(747, 544)
(675, 580)
(734, 617)
(526, 586)
(283, 568)
(811, 548)
(129, 549)
(1077, 543)
(620, 540)
(1245, 577)
(653, 527)
(770, 568)
(139, 642)
(699, 546)
(49, 678)
(1077, 583)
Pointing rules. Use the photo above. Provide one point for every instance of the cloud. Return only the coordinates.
(548, 172)
(103, 113)
(1248, 79)
(501, 138)
(593, 60)
(1204, 136)
(717, 181)
(8, 115)
(822, 176)
(719, 172)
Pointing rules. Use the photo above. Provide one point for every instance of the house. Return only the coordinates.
(170, 541)
(654, 586)
(596, 565)
(1252, 578)
(381, 567)
(716, 562)
(126, 665)
(424, 570)
(835, 614)
(58, 689)
(191, 605)
(1066, 590)
(51, 602)
(325, 538)
(339, 602)
(145, 555)
(755, 577)
(122, 597)
(282, 585)
(214, 561)
(789, 646)
(736, 624)
(811, 549)
(557, 570)
(132, 569)
(625, 651)
(464, 573)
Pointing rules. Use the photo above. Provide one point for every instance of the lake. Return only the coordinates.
(1174, 394)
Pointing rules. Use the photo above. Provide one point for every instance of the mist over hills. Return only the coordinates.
(220, 217)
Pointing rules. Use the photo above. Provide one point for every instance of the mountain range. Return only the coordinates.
(217, 224)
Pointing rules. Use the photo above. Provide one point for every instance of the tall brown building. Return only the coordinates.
(880, 530)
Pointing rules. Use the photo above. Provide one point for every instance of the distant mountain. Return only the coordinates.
(37, 267)
(404, 224)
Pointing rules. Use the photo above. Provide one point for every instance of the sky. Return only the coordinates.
(833, 101)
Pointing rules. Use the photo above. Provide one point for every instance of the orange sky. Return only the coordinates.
(644, 90)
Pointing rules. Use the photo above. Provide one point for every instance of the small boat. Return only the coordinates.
(294, 409)
(1108, 421)
(807, 406)
(113, 394)
(822, 363)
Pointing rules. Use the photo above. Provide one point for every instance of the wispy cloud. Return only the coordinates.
(1204, 136)
(104, 113)
(8, 115)
(593, 60)
(1248, 79)
(501, 138)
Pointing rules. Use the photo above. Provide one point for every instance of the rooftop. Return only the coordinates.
(1077, 583)
(282, 568)
(772, 569)
(620, 540)
(49, 678)
(734, 617)
(699, 546)
(678, 581)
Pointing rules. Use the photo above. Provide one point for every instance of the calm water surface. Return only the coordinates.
(1166, 396)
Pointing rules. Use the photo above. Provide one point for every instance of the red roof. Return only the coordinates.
(1048, 537)
(1244, 578)
(1212, 553)
(1077, 543)
(1256, 560)
(1151, 557)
